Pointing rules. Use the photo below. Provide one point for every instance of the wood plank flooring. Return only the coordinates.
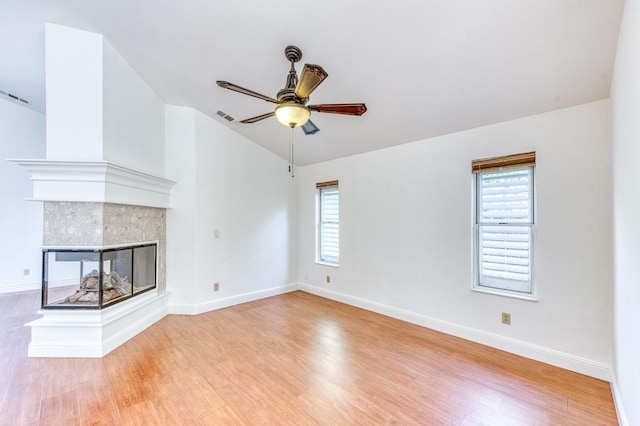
(294, 359)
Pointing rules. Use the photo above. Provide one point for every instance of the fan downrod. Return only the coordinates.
(293, 53)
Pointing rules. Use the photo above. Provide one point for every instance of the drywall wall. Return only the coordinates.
(406, 236)
(181, 218)
(22, 135)
(133, 117)
(73, 71)
(98, 107)
(625, 98)
(233, 219)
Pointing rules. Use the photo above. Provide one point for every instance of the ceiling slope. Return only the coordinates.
(423, 67)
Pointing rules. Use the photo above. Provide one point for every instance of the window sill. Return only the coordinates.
(333, 265)
(513, 295)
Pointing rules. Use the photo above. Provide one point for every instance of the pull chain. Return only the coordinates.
(290, 136)
(291, 152)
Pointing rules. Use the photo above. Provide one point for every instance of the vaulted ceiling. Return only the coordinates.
(423, 67)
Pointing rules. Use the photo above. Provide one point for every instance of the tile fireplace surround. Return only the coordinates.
(80, 224)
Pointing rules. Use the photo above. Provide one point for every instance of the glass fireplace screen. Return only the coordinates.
(94, 279)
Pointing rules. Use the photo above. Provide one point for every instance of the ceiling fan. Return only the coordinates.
(292, 109)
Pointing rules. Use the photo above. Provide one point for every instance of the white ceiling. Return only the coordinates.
(423, 67)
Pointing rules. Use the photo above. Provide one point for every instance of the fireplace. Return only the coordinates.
(97, 278)
(104, 277)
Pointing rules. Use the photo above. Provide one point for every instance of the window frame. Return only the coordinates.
(321, 257)
(503, 286)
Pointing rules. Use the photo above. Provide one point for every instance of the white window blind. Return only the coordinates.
(504, 223)
(329, 222)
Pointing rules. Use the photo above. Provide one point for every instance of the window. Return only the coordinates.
(504, 219)
(328, 222)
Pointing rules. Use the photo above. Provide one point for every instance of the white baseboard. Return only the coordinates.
(94, 333)
(15, 288)
(617, 400)
(550, 356)
(212, 305)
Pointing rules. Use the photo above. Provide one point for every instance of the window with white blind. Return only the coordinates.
(504, 220)
(328, 223)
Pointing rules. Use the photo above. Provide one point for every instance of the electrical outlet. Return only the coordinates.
(328, 279)
(26, 271)
(506, 318)
(216, 286)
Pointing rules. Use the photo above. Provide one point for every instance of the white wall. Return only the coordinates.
(626, 177)
(406, 236)
(22, 135)
(98, 107)
(133, 117)
(73, 65)
(181, 218)
(229, 184)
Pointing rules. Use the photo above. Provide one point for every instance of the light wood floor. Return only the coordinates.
(294, 359)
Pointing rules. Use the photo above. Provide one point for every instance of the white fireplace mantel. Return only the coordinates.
(95, 181)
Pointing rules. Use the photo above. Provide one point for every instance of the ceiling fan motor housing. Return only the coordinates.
(288, 95)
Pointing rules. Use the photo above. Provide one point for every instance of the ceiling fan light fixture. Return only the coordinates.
(292, 114)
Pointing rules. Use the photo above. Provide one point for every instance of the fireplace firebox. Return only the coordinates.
(96, 278)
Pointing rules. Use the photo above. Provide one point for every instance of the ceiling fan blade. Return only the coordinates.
(347, 109)
(236, 88)
(258, 118)
(309, 128)
(310, 78)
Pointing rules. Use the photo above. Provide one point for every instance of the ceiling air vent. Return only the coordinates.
(225, 116)
(14, 97)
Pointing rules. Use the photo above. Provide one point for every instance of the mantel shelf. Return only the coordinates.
(95, 181)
